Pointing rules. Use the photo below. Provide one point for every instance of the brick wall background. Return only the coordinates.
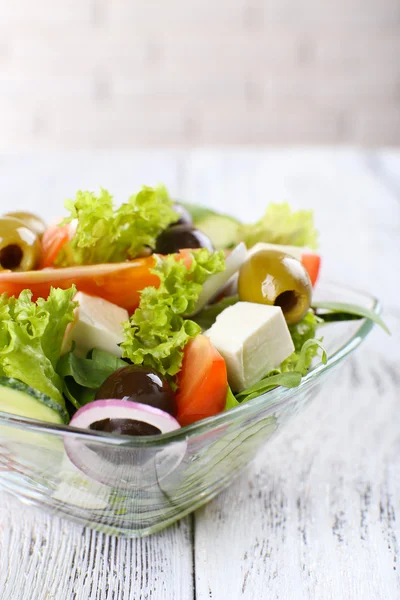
(126, 73)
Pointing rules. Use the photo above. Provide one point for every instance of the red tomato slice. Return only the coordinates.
(202, 382)
(312, 263)
(54, 238)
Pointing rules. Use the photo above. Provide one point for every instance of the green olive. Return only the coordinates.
(275, 278)
(19, 246)
(31, 221)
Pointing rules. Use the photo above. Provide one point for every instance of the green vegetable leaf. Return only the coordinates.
(31, 335)
(58, 305)
(304, 330)
(280, 225)
(105, 234)
(337, 316)
(231, 401)
(82, 377)
(290, 380)
(207, 317)
(307, 353)
(157, 331)
(302, 333)
(352, 309)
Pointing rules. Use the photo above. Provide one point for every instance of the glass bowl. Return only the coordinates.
(137, 486)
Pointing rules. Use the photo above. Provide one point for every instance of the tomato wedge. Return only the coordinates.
(311, 263)
(120, 283)
(54, 238)
(202, 382)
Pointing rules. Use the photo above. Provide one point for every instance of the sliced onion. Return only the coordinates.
(216, 283)
(123, 465)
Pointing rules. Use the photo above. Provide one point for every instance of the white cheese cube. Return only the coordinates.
(97, 324)
(253, 339)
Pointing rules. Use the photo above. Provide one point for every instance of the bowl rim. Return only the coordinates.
(277, 396)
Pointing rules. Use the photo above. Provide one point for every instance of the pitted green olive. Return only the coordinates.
(31, 221)
(19, 246)
(275, 278)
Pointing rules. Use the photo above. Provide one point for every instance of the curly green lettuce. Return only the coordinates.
(157, 332)
(31, 336)
(105, 234)
(281, 225)
(305, 343)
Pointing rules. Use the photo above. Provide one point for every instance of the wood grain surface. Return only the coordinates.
(316, 516)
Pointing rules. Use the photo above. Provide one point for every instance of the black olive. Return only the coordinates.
(178, 237)
(139, 384)
(124, 456)
(125, 427)
(184, 215)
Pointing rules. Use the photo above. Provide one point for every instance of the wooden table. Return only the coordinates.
(317, 515)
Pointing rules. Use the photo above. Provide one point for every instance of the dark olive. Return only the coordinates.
(125, 427)
(31, 221)
(139, 384)
(275, 278)
(19, 246)
(179, 237)
(184, 215)
(128, 457)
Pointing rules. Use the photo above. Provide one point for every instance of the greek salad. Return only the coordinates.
(145, 317)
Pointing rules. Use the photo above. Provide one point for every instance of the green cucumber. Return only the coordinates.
(19, 399)
(197, 211)
(221, 229)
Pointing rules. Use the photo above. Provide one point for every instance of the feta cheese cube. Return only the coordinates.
(97, 324)
(253, 339)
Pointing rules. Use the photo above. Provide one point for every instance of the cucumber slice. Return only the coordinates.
(19, 399)
(221, 229)
(196, 211)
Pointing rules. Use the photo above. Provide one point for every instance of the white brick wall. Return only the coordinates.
(127, 73)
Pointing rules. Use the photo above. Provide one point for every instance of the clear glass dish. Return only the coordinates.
(136, 486)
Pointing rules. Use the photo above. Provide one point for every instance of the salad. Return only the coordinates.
(150, 316)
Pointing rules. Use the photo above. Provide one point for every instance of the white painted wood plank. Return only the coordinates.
(387, 165)
(44, 557)
(315, 516)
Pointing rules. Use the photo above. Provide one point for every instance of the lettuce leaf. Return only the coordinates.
(31, 335)
(105, 234)
(343, 311)
(157, 332)
(82, 377)
(304, 330)
(308, 352)
(273, 379)
(288, 375)
(301, 333)
(231, 401)
(281, 225)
